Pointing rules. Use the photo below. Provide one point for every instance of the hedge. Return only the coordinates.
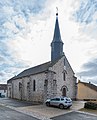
(90, 105)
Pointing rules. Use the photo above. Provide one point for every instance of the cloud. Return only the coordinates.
(1, 74)
(12, 11)
(1, 59)
(86, 11)
(89, 71)
(91, 64)
(86, 15)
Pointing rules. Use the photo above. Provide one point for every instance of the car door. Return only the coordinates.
(55, 101)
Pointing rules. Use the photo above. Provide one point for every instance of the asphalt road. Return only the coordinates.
(9, 114)
(75, 116)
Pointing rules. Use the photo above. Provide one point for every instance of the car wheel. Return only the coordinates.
(61, 106)
(47, 104)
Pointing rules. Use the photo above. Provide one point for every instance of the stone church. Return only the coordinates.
(47, 80)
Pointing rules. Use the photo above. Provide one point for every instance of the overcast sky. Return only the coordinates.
(27, 28)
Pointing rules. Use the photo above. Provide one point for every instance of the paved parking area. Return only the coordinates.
(43, 110)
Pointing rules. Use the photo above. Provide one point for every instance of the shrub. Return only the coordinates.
(90, 105)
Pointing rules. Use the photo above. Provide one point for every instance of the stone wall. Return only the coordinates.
(70, 81)
(25, 93)
(51, 86)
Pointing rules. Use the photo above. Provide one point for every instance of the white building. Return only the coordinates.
(50, 79)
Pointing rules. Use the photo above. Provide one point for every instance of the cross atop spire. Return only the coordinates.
(56, 11)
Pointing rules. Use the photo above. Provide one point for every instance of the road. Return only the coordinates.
(75, 116)
(9, 114)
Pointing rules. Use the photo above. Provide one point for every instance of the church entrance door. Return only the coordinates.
(64, 92)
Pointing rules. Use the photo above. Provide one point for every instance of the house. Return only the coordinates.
(50, 79)
(3, 90)
(86, 91)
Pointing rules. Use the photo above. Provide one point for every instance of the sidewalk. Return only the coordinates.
(45, 113)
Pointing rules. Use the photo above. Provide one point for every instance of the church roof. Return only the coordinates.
(35, 70)
(90, 85)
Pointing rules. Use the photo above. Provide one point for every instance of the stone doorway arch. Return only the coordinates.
(64, 92)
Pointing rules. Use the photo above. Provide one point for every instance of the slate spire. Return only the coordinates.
(57, 44)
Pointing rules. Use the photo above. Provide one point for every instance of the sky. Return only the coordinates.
(27, 28)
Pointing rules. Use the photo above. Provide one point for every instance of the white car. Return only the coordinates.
(61, 102)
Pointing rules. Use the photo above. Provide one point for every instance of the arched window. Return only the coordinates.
(28, 85)
(20, 86)
(64, 76)
(34, 85)
(54, 82)
(45, 82)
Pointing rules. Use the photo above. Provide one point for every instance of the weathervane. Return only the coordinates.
(56, 10)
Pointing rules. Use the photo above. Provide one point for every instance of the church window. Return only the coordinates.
(45, 82)
(20, 86)
(54, 82)
(34, 85)
(28, 85)
(64, 76)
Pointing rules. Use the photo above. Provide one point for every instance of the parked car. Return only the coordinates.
(61, 102)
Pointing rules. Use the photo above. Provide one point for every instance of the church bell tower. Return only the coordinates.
(57, 44)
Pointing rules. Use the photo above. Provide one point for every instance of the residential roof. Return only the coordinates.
(90, 85)
(3, 86)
